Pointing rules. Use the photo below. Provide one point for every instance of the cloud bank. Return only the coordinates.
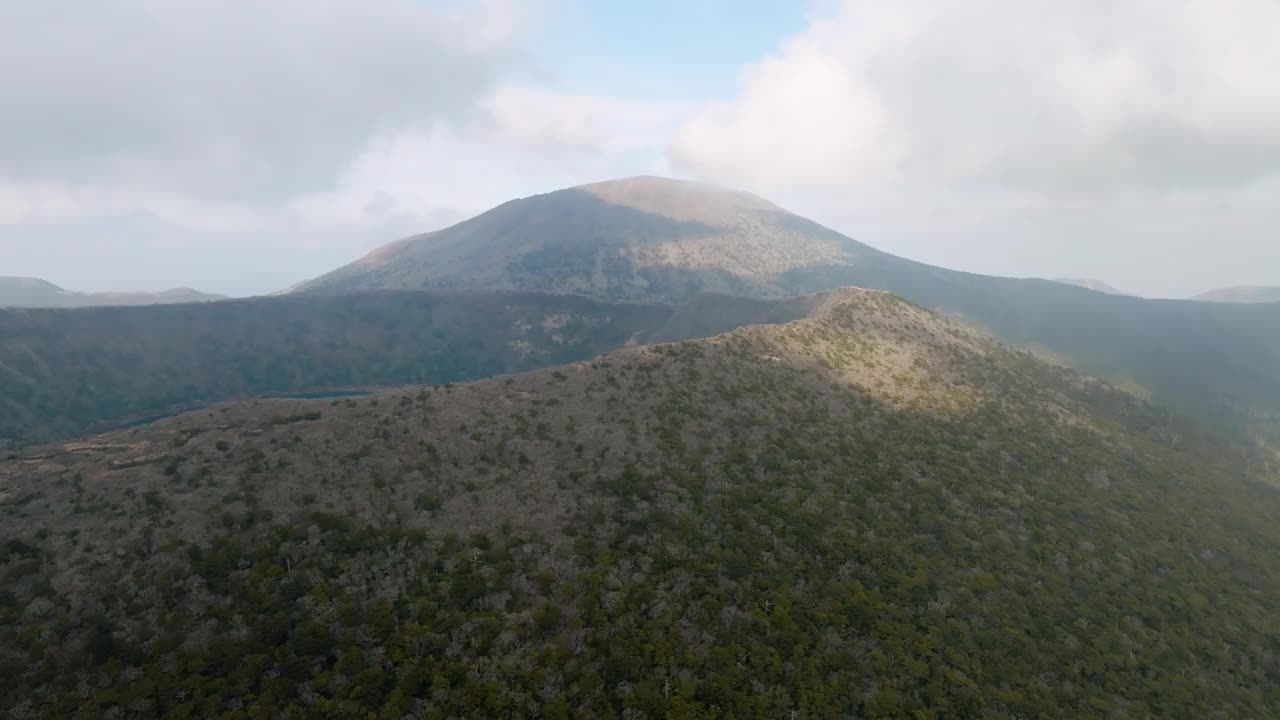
(150, 143)
(1072, 96)
(1130, 140)
(307, 131)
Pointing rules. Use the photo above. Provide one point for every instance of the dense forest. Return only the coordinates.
(65, 372)
(868, 513)
(68, 372)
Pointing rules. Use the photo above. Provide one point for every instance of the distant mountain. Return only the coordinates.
(23, 289)
(643, 239)
(655, 240)
(871, 512)
(1091, 284)
(1242, 294)
(36, 293)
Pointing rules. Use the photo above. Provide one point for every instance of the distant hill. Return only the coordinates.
(64, 373)
(870, 512)
(67, 372)
(1091, 284)
(655, 240)
(36, 293)
(1242, 294)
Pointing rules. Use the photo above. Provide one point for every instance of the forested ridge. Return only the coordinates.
(67, 372)
(869, 513)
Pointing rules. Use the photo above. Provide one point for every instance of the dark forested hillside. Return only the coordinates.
(63, 372)
(871, 512)
(657, 240)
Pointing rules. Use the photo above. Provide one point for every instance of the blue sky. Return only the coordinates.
(662, 50)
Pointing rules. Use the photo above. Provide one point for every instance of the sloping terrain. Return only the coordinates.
(870, 512)
(1243, 294)
(640, 239)
(65, 372)
(657, 240)
(36, 293)
(1091, 284)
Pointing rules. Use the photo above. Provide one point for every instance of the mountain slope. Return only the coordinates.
(1091, 284)
(63, 372)
(1242, 294)
(68, 372)
(660, 240)
(640, 239)
(871, 512)
(35, 293)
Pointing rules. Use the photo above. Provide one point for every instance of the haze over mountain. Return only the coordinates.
(1090, 284)
(656, 240)
(869, 512)
(1242, 294)
(37, 293)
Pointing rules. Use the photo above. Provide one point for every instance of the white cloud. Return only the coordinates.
(324, 126)
(1138, 141)
(526, 140)
(1066, 96)
(556, 121)
(516, 140)
(146, 143)
(42, 203)
(231, 100)
(1067, 137)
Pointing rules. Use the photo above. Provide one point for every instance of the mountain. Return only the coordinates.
(642, 239)
(868, 512)
(33, 291)
(655, 240)
(1090, 284)
(36, 293)
(1242, 294)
